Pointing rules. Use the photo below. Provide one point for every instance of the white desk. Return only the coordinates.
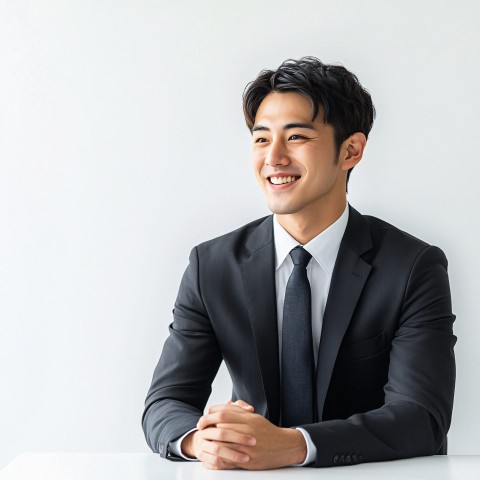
(148, 466)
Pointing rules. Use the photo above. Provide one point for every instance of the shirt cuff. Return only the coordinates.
(311, 449)
(176, 446)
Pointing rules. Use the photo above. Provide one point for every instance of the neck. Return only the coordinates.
(303, 226)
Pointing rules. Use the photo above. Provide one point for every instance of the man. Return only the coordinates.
(336, 328)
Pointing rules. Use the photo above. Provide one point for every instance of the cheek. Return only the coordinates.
(257, 162)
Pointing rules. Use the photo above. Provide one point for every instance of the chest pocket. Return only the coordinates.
(363, 349)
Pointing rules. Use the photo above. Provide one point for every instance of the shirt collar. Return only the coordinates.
(323, 248)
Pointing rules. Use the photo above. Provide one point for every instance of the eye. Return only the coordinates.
(296, 137)
(260, 140)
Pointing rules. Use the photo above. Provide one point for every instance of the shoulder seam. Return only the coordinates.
(411, 271)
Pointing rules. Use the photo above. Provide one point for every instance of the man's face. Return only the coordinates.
(294, 158)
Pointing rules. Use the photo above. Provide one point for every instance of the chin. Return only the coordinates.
(283, 209)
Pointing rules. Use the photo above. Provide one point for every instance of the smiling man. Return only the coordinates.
(336, 327)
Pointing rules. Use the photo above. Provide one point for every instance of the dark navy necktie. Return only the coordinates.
(298, 364)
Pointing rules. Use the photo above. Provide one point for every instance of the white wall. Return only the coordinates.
(122, 145)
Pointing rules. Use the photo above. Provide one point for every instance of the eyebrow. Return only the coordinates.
(285, 127)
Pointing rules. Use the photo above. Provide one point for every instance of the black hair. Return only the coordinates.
(347, 106)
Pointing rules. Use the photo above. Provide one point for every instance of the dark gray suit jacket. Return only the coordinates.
(386, 368)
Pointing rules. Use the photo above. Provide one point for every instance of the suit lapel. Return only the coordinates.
(348, 279)
(258, 271)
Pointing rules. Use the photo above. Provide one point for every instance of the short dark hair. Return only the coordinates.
(347, 106)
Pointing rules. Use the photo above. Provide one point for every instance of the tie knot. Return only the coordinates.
(300, 256)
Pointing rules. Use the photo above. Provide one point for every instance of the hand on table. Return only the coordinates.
(232, 436)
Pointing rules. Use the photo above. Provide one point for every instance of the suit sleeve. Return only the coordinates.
(182, 379)
(415, 417)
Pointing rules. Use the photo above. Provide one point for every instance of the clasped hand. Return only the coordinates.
(233, 436)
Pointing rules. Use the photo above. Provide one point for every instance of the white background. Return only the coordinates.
(122, 145)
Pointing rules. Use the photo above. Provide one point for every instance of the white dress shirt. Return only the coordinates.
(324, 250)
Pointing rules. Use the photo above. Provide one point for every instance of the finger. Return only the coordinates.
(214, 408)
(221, 450)
(240, 403)
(215, 463)
(222, 416)
(220, 466)
(224, 407)
(244, 428)
(229, 436)
(245, 405)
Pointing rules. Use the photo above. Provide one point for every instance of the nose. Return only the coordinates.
(277, 154)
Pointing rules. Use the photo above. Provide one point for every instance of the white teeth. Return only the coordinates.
(281, 180)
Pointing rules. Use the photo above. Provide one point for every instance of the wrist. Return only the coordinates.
(187, 445)
(297, 451)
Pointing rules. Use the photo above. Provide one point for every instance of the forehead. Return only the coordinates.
(280, 106)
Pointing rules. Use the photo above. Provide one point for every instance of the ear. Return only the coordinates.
(351, 151)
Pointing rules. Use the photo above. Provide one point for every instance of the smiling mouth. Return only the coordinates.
(282, 180)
